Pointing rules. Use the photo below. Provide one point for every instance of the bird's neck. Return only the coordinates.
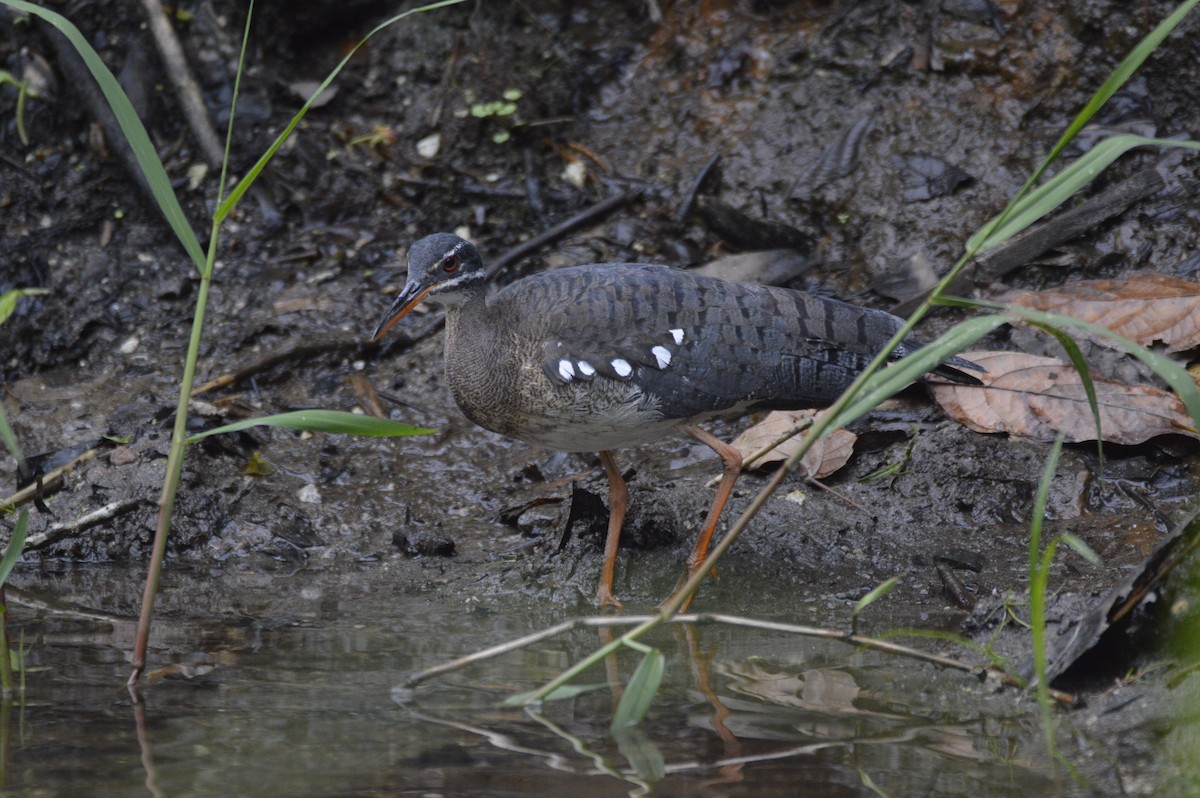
(470, 330)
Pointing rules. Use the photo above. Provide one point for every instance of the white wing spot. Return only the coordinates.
(586, 368)
(566, 370)
(622, 367)
(662, 355)
(677, 334)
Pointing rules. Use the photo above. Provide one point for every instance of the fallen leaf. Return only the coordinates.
(1145, 307)
(1039, 397)
(304, 89)
(827, 456)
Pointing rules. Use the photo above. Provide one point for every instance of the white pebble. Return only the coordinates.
(130, 346)
(310, 495)
(575, 174)
(428, 147)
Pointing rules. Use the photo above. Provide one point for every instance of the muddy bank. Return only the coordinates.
(882, 136)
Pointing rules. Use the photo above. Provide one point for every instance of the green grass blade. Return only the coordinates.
(131, 126)
(16, 544)
(1115, 81)
(639, 694)
(1080, 547)
(8, 300)
(1039, 576)
(878, 592)
(244, 184)
(870, 784)
(1171, 372)
(557, 694)
(10, 440)
(1039, 506)
(897, 376)
(237, 88)
(644, 757)
(1065, 185)
(1085, 376)
(334, 421)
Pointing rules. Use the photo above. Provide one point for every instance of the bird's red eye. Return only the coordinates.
(450, 264)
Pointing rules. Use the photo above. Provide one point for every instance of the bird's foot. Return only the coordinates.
(605, 598)
(683, 580)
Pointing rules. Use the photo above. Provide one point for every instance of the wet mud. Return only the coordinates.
(877, 136)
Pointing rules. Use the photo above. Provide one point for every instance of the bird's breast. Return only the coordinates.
(498, 382)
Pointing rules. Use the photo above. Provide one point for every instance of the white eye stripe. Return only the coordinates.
(454, 282)
(677, 334)
(662, 356)
(622, 367)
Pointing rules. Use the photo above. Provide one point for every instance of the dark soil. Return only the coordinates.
(882, 133)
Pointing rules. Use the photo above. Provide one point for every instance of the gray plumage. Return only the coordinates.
(596, 358)
(604, 356)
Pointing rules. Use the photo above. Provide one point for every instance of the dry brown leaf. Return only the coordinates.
(1145, 307)
(827, 456)
(1038, 397)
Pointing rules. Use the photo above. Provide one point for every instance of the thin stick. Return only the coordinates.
(689, 200)
(59, 531)
(861, 641)
(494, 651)
(50, 482)
(275, 358)
(1029, 244)
(586, 216)
(187, 90)
(469, 190)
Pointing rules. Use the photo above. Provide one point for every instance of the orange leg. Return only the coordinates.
(618, 500)
(731, 461)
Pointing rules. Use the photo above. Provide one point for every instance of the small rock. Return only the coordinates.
(428, 147)
(576, 174)
(122, 455)
(310, 495)
(423, 543)
(962, 558)
(130, 346)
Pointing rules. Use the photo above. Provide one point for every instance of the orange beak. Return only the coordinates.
(408, 299)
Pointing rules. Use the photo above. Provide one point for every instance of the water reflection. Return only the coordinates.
(286, 685)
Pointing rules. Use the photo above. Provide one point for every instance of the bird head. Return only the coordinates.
(441, 267)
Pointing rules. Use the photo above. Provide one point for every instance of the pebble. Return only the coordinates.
(122, 455)
(310, 495)
(428, 147)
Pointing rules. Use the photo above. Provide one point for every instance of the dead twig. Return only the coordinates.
(186, 88)
(275, 358)
(470, 190)
(59, 531)
(861, 641)
(49, 483)
(586, 216)
(689, 200)
(1059, 229)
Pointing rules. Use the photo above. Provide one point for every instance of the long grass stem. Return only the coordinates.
(166, 504)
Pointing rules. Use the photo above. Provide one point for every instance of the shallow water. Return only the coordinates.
(287, 685)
